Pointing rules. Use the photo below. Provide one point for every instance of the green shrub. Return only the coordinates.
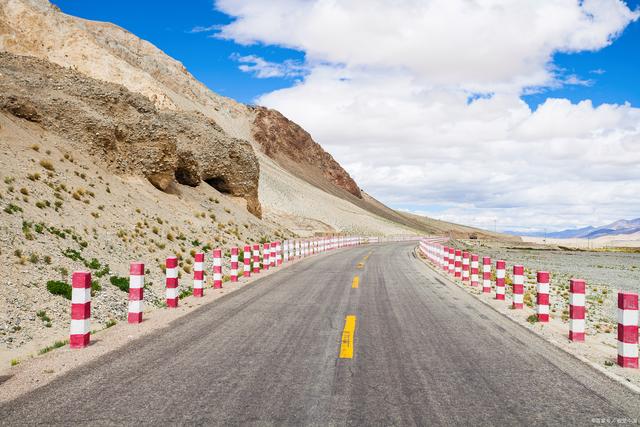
(121, 283)
(185, 293)
(57, 287)
(94, 264)
(11, 208)
(110, 323)
(95, 287)
(73, 254)
(55, 345)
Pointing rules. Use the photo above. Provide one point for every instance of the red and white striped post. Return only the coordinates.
(273, 255)
(278, 253)
(217, 268)
(445, 263)
(233, 275)
(518, 287)
(80, 330)
(542, 297)
(285, 251)
(628, 329)
(198, 275)
(577, 288)
(500, 273)
(246, 261)
(171, 274)
(474, 270)
(256, 259)
(297, 249)
(465, 266)
(458, 263)
(136, 292)
(266, 250)
(486, 275)
(451, 260)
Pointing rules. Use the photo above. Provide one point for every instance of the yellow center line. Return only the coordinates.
(355, 283)
(346, 345)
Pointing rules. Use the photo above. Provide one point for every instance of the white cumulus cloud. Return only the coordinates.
(392, 89)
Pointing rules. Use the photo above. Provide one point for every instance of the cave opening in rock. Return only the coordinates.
(187, 177)
(219, 183)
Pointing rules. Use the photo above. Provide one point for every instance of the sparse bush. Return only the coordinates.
(121, 283)
(533, 318)
(15, 362)
(55, 345)
(11, 208)
(35, 147)
(73, 254)
(24, 191)
(47, 259)
(47, 165)
(57, 287)
(110, 323)
(33, 258)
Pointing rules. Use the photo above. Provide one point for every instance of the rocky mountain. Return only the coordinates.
(616, 228)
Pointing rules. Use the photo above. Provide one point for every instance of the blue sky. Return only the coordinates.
(428, 117)
(168, 25)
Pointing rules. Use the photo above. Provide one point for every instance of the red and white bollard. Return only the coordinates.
(266, 250)
(171, 274)
(217, 268)
(486, 275)
(80, 330)
(458, 263)
(501, 266)
(628, 329)
(198, 275)
(285, 251)
(518, 287)
(465, 266)
(542, 297)
(445, 263)
(577, 288)
(273, 254)
(256, 259)
(246, 261)
(452, 258)
(233, 275)
(136, 292)
(474, 270)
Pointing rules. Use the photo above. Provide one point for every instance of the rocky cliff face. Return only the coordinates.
(286, 143)
(126, 131)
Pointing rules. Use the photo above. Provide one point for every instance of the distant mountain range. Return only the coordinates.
(623, 226)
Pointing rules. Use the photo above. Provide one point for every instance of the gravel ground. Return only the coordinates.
(604, 272)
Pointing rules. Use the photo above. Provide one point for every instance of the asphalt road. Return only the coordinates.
(425, 353)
